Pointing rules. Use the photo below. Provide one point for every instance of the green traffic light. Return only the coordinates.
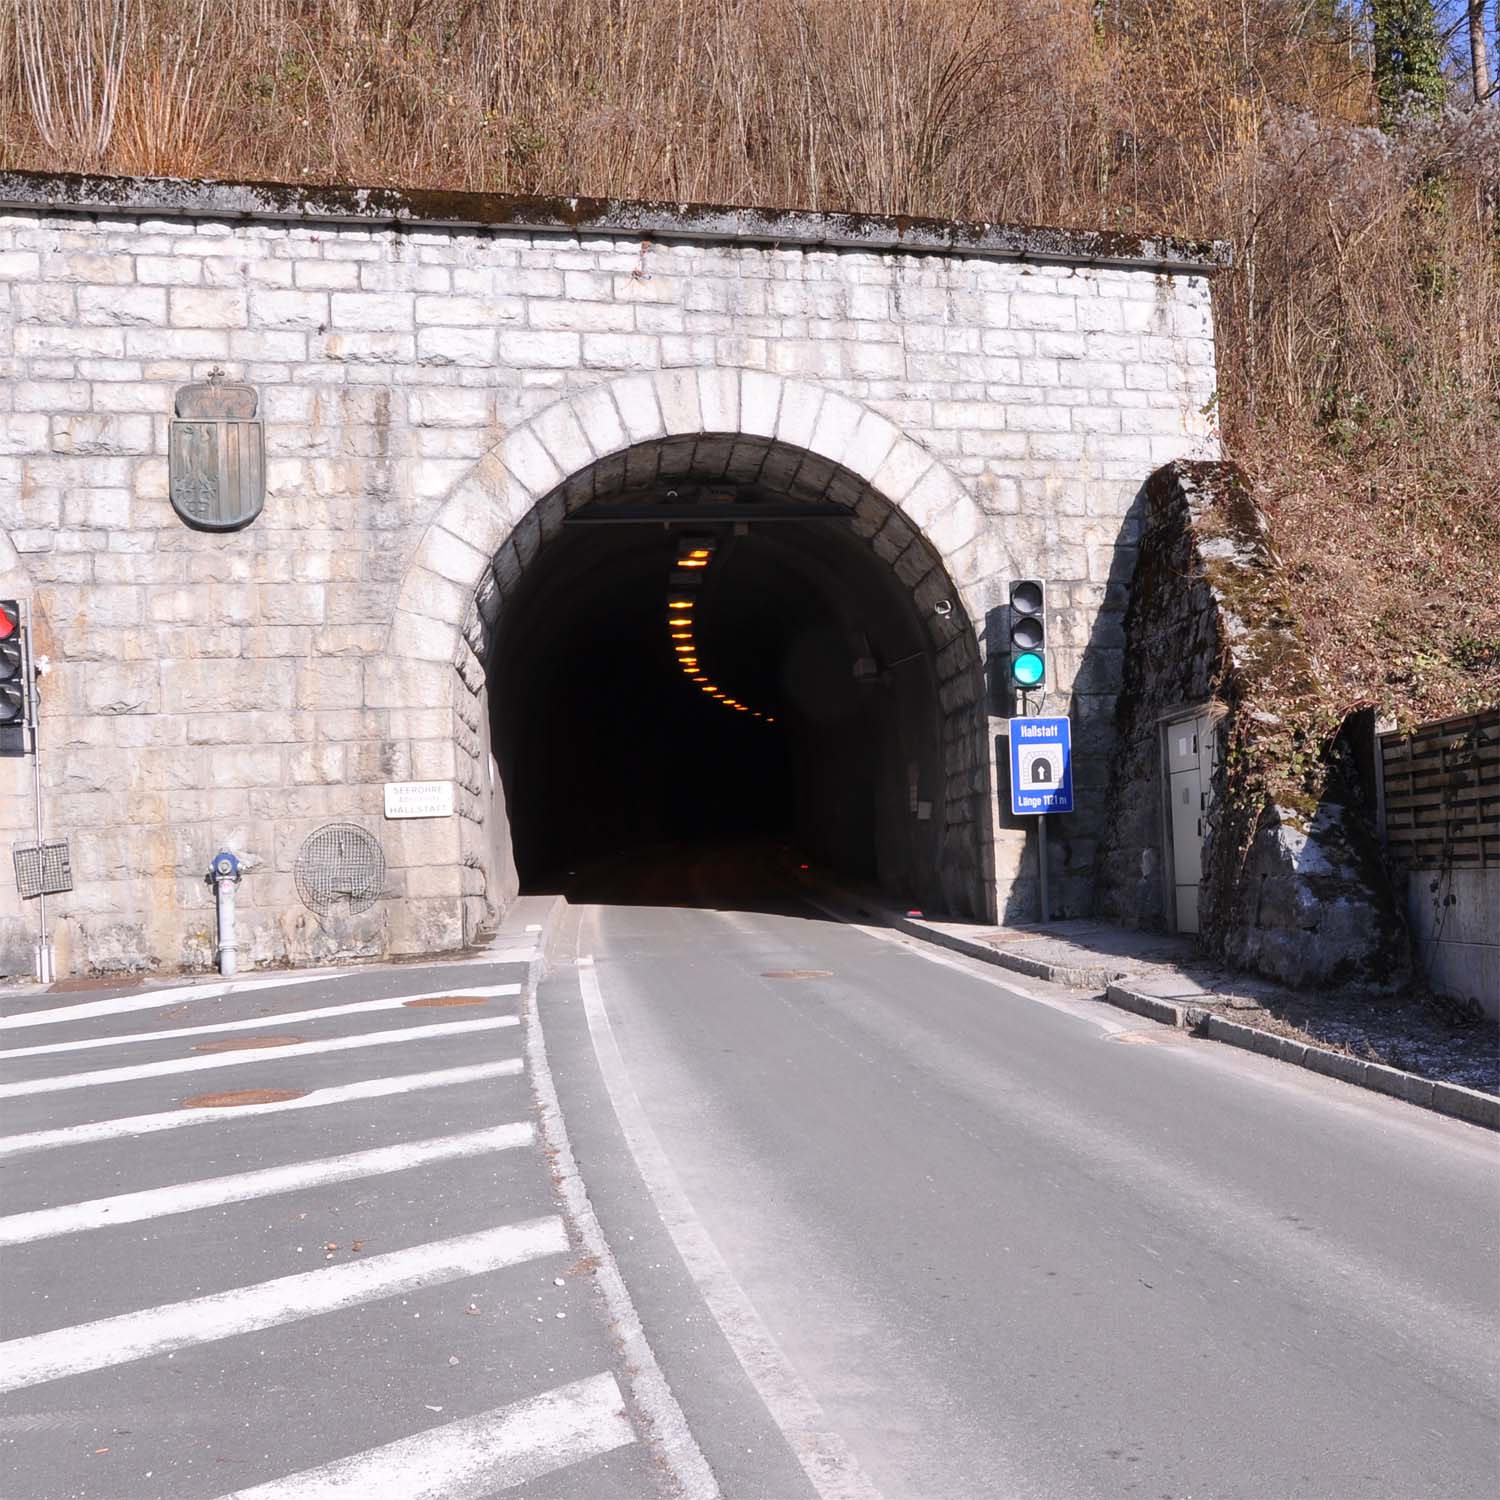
(1027, 669)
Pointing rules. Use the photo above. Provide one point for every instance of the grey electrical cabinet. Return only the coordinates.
(1191, 746)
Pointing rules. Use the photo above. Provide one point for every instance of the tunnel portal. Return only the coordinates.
(727, 640)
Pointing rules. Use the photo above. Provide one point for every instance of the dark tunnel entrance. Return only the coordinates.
(726, 642)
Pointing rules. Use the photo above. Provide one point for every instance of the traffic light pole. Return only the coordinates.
(28, 667)
(1041, 839)
(1041, 859)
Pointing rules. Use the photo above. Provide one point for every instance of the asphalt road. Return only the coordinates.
(980, 1238)
(892, 1224)
(298, 1240)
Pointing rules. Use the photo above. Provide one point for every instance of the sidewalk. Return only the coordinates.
(1396, 1044)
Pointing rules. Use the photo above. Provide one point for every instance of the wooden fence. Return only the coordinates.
(1440, 793)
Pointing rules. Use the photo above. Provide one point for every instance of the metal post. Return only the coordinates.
(28, 677)
(1041, 855)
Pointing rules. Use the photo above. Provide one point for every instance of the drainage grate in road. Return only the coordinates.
(797, 974)
(446, 1000)
(246, 1043)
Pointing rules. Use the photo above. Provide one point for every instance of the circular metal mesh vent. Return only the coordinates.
(340, 866)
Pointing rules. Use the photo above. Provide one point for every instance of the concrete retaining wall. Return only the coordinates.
(1455, 925)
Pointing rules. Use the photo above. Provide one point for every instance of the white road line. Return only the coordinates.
(828, 1462)
(175, 1119)
(268, 1304)
(672, 1440)
(119, 1005)
(260, 1023)
(240, 1187)
(475, 1456)
(254, 1055)
(513, 955)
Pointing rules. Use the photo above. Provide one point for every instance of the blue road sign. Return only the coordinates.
(1041, 766)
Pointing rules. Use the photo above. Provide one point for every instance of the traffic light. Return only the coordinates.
(1028, 635)
(13, 684)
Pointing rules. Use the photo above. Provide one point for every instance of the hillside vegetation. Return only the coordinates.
(1360, 328)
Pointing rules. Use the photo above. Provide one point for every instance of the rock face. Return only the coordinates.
(438, 378)
(1293, 885)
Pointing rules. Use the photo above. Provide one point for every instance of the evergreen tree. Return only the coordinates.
(1408, 57)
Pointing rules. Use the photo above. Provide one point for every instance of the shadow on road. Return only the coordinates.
(758, 876)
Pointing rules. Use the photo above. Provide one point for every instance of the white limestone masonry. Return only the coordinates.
(427, 392)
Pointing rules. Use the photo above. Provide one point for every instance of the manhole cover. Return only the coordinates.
(797, 974)
(340, 867)
(245, 1043)
(93, 982)
(241, 1096)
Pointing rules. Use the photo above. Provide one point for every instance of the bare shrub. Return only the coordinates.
(71, 58)
(1358, 331)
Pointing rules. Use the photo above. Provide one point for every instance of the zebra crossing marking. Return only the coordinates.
(100, 1345)
(119, 1005)
(474, 1456)
(241, 1187)
(171, 1065)
(123, 1126)
(255, 1023)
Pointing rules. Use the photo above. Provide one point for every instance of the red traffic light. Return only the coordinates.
(12, 675)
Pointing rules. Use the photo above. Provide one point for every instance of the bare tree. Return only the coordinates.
(1478, 57)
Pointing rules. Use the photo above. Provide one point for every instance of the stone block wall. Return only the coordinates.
(249, 687)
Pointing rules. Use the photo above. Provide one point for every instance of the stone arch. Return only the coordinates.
(533, 462)
(916, 516)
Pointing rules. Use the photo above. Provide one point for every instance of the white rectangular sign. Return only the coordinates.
(419, 799)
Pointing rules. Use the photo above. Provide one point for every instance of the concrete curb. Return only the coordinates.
(1114, 989)
(1427, 1093)
(1090, 978)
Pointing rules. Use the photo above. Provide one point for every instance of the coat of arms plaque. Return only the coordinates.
(217, 455)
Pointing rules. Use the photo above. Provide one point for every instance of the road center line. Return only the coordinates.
(242, 1059)
(240, 1187)
(256, 1023)
(174, 1119)
(268, 1304)
(475, 1456)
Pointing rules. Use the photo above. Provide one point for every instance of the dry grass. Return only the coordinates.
(1360, 330)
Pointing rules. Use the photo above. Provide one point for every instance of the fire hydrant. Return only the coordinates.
(226, 875)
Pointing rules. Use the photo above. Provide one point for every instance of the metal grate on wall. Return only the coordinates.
(44, 869)
(340, 869)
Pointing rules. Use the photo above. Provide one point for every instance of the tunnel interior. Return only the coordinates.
(710, 652)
